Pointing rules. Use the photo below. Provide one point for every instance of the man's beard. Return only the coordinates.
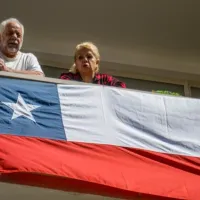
(11, 48)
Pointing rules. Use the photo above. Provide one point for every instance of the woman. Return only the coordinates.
(86, 67)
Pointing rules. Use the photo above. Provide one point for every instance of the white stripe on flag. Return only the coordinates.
(108, 115)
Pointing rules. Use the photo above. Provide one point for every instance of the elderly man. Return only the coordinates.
(11, 58)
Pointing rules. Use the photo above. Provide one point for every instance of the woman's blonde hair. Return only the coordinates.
(89, 46)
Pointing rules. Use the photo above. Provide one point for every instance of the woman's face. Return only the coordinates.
(86, 62)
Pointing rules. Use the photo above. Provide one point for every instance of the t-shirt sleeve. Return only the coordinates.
(33, 64)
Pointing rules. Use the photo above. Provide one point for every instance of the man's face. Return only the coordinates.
(11, 39)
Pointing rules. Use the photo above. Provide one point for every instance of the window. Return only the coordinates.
(195, 92)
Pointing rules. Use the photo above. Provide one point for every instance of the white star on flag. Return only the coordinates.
(21, 108)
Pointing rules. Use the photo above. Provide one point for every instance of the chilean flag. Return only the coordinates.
(99, 140)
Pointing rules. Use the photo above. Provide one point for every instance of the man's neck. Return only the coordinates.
(9, 56)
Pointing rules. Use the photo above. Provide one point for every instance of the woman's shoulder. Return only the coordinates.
(110, 80)
(69, 75)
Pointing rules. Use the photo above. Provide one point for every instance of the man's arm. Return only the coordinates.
(25, 72)
(33, 68)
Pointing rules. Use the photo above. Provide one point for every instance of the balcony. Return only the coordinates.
(150, 45)
(155, 126)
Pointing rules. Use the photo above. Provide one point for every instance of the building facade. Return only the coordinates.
(151, 45)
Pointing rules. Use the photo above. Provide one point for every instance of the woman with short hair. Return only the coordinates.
(86, 67)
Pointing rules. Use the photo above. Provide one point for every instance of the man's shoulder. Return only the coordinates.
(30, 60)
(28, 55)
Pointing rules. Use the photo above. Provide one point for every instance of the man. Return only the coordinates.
(11, 58)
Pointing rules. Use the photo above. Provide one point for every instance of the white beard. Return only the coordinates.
(12, 50)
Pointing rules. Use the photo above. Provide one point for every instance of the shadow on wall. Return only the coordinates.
(53, 72)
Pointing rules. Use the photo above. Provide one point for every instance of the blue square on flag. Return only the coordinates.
(30, 108)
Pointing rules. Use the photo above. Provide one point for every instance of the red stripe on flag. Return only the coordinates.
(98, 169)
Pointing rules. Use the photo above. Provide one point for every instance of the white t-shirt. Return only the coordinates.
(23, 61)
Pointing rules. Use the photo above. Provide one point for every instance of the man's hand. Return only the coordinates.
(3, 66)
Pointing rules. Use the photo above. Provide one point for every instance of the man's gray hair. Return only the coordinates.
(7, 21)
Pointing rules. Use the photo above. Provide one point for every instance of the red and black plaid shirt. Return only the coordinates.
(102, 79)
